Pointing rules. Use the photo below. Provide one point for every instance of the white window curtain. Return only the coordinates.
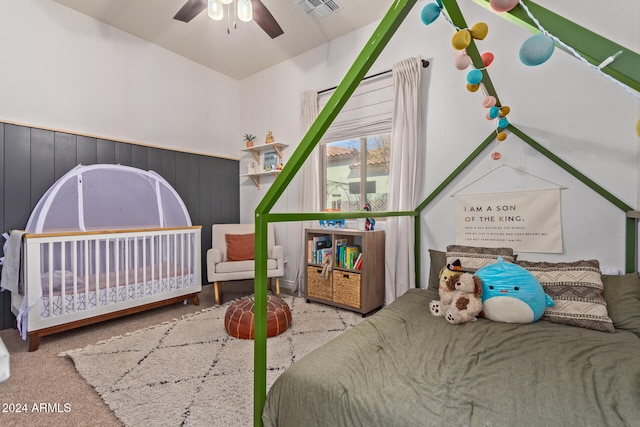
(310, 181)
(404, 178)
(369, 110)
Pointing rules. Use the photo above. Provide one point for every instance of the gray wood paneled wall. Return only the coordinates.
(32, 159)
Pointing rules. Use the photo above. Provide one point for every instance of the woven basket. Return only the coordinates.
(346, 288)
(318, 286)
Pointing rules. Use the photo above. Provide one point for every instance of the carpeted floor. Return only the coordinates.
(43, 377)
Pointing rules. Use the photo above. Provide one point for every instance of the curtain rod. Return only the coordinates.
(425, 64)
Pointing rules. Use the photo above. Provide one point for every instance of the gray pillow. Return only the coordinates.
(577, 290)
(473, 258)
(622, 293)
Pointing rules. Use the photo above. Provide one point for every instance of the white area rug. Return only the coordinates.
(191, 372)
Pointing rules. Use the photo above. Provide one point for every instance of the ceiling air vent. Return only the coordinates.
(318, 9)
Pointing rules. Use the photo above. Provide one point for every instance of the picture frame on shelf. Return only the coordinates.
(270, 160)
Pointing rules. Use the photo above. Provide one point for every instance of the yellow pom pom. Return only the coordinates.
(472, 88)
(501, 136)
(461, 40)
(504, 110)
(479, 31)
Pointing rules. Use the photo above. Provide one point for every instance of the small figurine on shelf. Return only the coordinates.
(251, 168)
(280, 166)
(269, 139)
(370, 225)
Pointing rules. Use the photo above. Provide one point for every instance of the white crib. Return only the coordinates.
(80, 278)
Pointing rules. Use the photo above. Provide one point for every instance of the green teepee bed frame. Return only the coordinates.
(591, 46)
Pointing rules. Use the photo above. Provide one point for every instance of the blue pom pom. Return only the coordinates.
(493, 112)
(503, 123)
(474, 77)
(430, 13)
(536, 50)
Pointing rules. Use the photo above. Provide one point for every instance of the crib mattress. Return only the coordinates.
(105, 289)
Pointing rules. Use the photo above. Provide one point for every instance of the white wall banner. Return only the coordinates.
(527, 221)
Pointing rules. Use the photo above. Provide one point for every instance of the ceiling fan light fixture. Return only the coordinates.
(245, 10)
(215, 11)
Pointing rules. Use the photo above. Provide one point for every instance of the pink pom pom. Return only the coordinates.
(462, 61)
(496, 155)
(489, 101)
(503, 5)
(487, 58)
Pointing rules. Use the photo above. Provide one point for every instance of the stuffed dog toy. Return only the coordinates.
(462, 300)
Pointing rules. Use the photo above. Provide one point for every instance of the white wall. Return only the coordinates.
(61, 69)
(580, 116)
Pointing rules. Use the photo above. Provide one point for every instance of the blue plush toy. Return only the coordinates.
(511, 294)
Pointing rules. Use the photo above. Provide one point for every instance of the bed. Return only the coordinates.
(404, 367)
(78, 278)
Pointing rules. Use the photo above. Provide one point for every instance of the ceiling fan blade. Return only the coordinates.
(190, 10)
(265, 19)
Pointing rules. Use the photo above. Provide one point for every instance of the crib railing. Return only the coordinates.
(72, 276)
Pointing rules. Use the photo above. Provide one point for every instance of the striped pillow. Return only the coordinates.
(577, 290)
(474, 257)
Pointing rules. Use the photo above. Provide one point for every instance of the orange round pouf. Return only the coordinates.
(238, 321)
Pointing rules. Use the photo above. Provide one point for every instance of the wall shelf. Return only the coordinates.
(255, 177)
(257, 152)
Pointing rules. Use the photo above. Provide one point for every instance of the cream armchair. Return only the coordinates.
(220, 269)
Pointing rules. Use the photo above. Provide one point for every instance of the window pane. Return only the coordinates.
(377, 173)
(350, 180)
(342, 171)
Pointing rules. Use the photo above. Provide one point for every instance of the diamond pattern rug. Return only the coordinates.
(191, 372)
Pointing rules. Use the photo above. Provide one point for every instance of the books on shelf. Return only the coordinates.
(340, 245)
(346, 254)
(318, 248)
(358, 263)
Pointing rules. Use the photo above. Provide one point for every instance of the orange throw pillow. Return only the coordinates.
(240, 247)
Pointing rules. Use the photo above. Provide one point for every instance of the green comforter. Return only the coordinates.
(404, 367)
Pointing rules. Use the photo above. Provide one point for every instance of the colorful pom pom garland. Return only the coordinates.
(474, 77)
(536, 50)
(462, 61)
(487, 58)
(460, 41)
(479, 31)
(503, 5)
(430, 13)
(489, 101)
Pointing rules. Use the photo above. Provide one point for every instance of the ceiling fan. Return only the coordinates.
(261, 15)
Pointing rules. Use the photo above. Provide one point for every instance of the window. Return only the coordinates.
(356, 172)
(356, 151)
